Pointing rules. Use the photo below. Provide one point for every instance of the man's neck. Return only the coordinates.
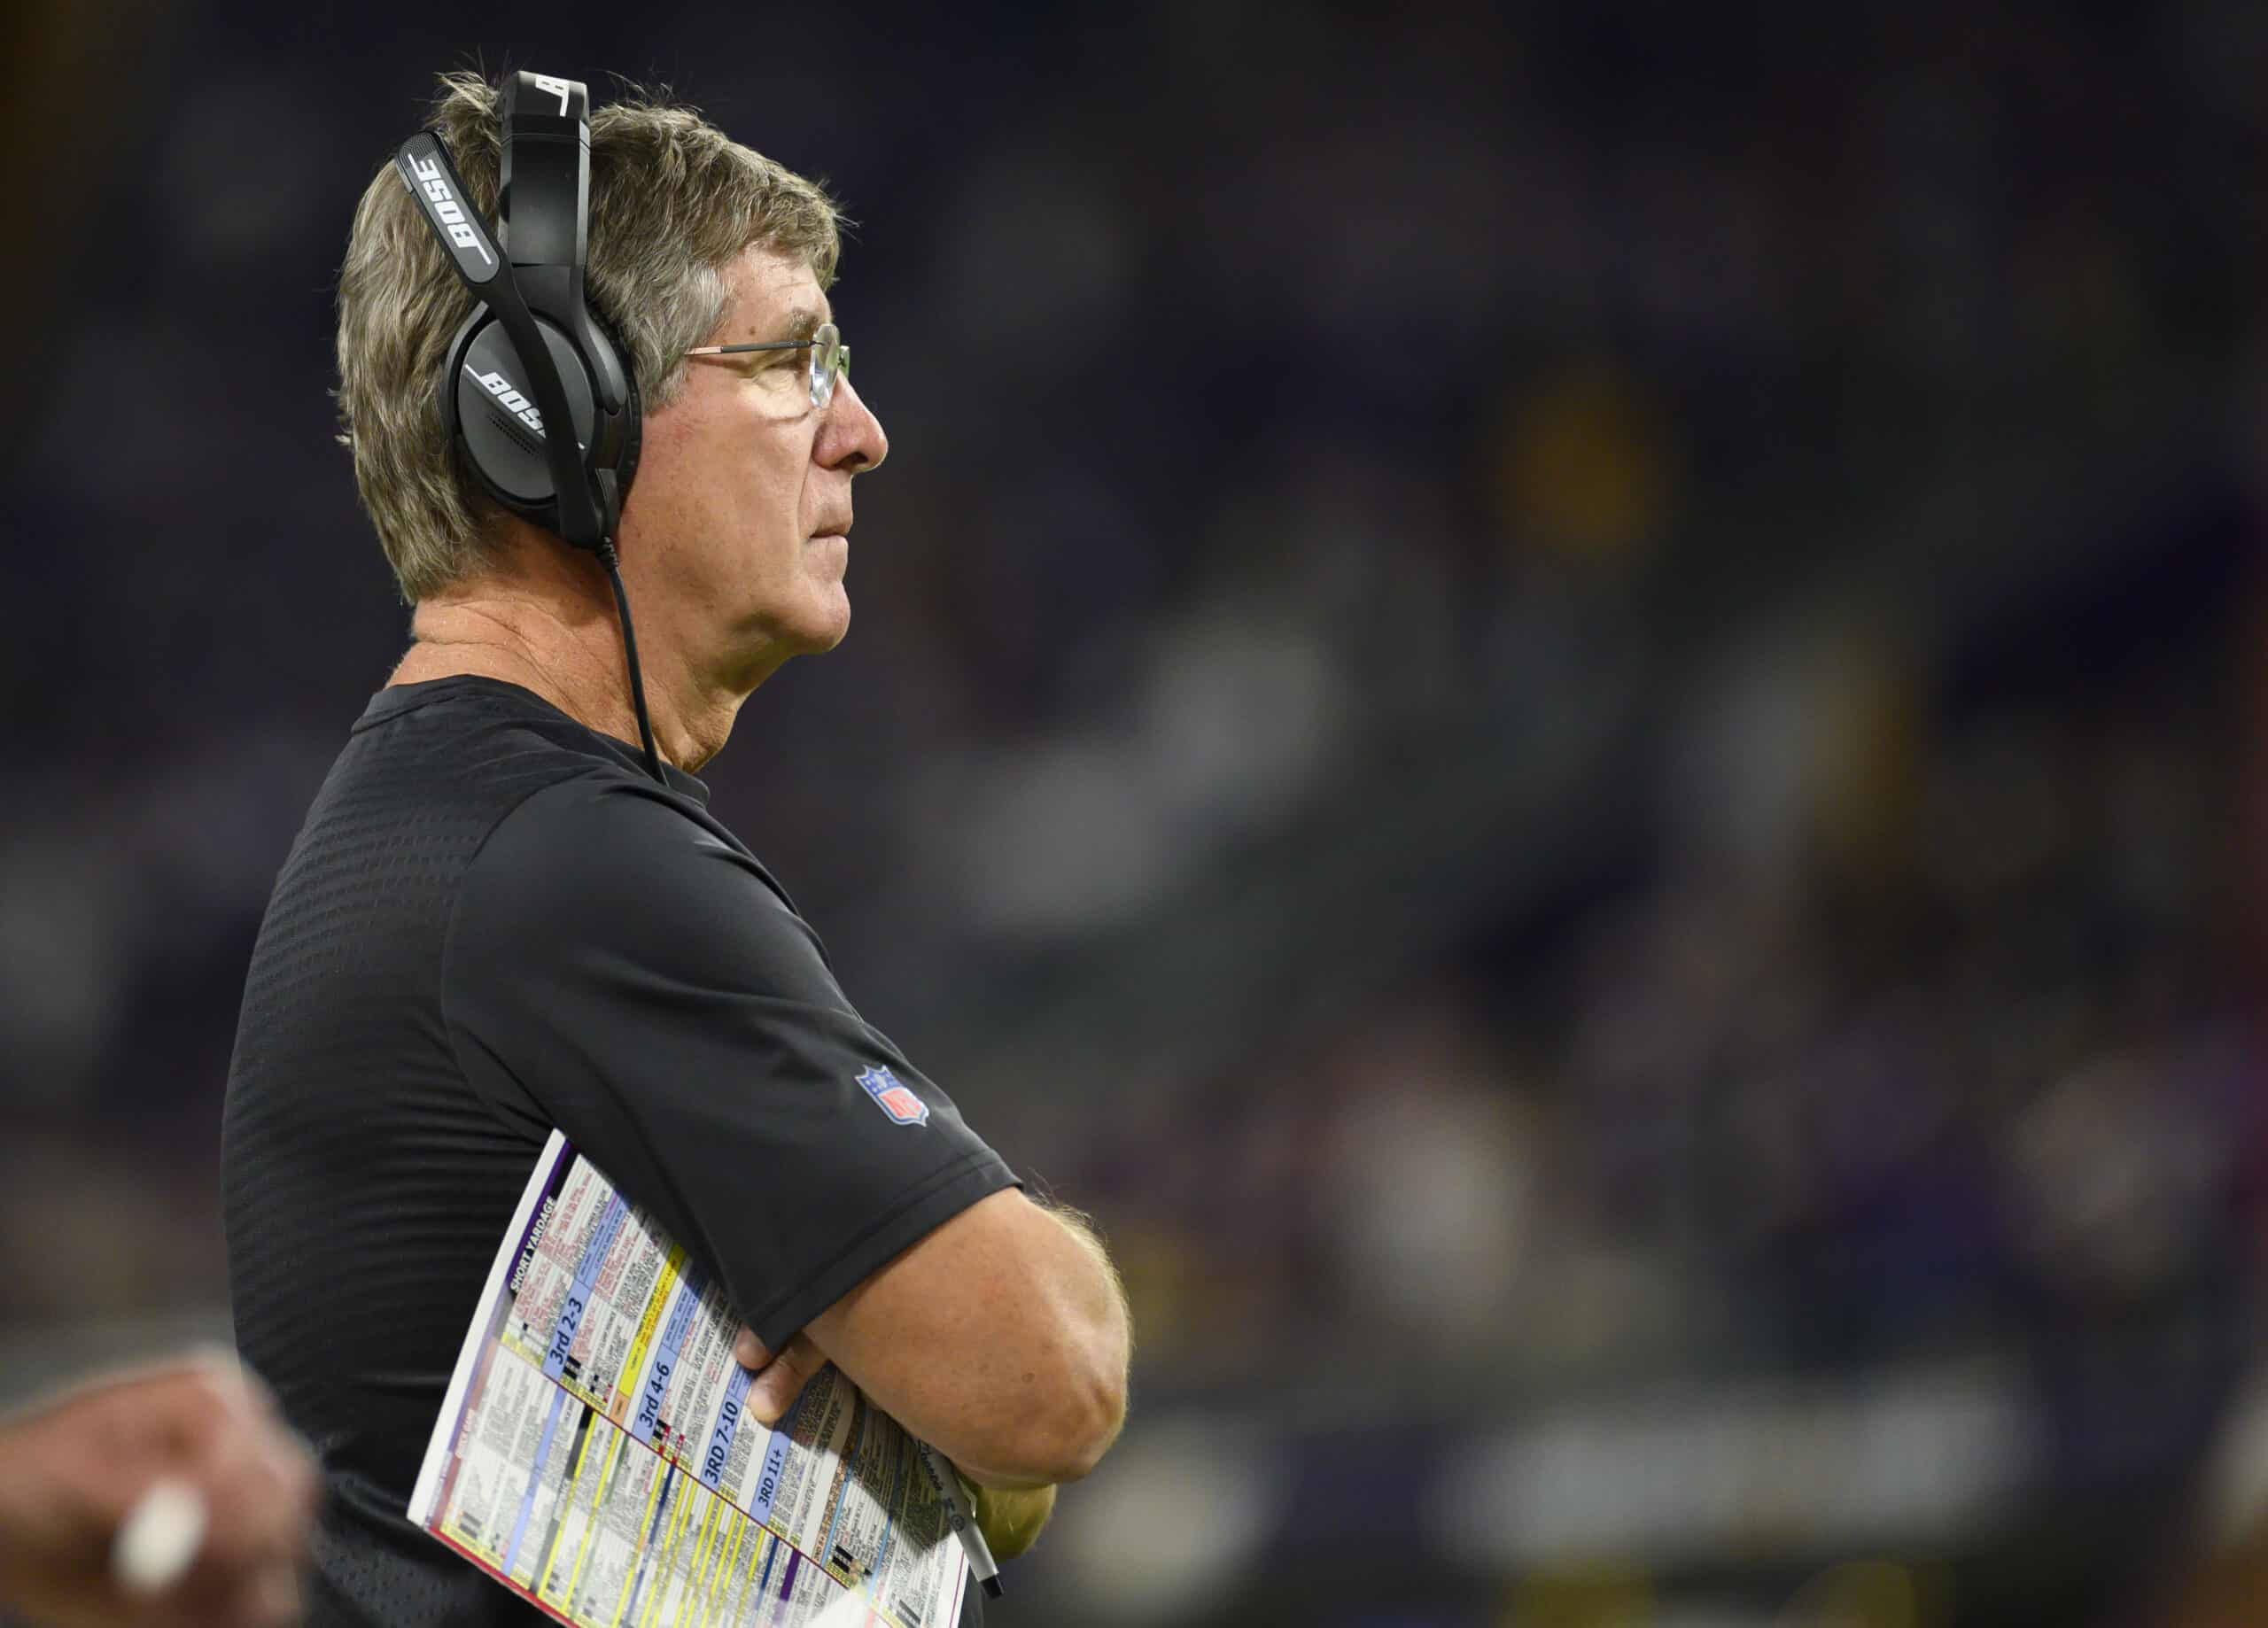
(569, 654)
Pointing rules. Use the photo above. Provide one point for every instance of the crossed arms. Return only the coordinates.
(1001, 1338)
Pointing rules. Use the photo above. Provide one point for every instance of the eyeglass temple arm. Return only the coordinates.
(770, 344)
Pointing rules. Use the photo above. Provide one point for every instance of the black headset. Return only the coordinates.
(534, 353)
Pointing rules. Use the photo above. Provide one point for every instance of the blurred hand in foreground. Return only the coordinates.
(232, 1493)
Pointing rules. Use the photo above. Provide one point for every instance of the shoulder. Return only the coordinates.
(457, 754)
(605, 861)
(601, 803)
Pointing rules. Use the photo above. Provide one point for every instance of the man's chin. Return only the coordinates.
(810, 627)
(833, 618)
(828, 628)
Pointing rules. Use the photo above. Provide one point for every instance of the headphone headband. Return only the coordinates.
(543, 201)
(543, 189)
(574, 100)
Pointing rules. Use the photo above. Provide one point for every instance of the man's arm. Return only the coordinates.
(1001, 1338)
(1011, 1520)
(680, 1023)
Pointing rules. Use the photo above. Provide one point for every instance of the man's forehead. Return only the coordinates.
(774, 296)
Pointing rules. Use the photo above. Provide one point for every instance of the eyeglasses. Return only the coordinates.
(830, 357)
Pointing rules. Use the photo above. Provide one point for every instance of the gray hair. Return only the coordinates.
(674, 201)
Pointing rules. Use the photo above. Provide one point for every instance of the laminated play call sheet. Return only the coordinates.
(593, 1453)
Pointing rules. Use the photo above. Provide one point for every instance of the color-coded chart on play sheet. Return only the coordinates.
(594, 1454)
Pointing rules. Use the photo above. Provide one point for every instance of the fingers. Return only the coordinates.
(748, 1351)
(259, 1488)
(781, 1380)
(160, 1538)
(262, 1481)
(249, 1573)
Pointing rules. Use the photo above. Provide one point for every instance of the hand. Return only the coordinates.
(780, 1379)
(72, 1466)
(1011, 1522)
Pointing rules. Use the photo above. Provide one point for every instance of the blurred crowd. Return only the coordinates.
(1289, 410)
(1964, 1062)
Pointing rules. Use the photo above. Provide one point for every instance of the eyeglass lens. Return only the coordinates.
(830, 359)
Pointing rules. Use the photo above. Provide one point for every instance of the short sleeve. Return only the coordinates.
(618, 970)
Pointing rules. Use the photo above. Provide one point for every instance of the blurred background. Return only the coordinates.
(1562, 700)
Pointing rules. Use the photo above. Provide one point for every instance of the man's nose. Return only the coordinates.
(852, 436)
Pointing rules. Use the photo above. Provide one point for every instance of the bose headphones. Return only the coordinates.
(533, 354)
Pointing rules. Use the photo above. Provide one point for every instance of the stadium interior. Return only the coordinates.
(1562, 700)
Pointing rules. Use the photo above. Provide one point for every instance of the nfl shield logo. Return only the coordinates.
(895, 1100)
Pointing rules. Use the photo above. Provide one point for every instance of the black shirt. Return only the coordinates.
(492, 923)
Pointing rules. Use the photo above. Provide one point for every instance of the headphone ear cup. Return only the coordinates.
(453, 424)
(632, 433)
(468, 442)
(444, 386)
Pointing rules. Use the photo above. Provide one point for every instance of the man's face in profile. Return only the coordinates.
(736, 521)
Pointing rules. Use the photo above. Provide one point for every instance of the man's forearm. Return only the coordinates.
(1000, 1339)
(1094, 1303)
(1012, 1518)
(1114, 1320)
(1112, 1326)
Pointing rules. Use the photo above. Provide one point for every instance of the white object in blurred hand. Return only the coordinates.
(158, 1539)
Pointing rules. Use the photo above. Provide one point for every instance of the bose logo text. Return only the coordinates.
(517, 405)
(446, 207)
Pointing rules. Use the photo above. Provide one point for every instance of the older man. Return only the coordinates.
(497, 921)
